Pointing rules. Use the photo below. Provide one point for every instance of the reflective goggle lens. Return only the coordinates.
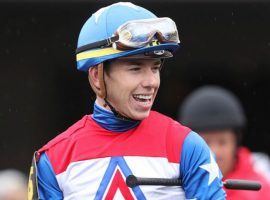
(139, 33)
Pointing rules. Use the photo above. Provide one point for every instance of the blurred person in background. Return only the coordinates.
(13, 185)
(217, 115)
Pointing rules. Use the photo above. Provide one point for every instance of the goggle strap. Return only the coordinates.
(115, 112)
(102, 93)
(99, 44)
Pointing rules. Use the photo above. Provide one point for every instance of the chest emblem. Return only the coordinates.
(113, 185)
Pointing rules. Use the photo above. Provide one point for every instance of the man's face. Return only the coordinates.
(132, 86)
(224, 144)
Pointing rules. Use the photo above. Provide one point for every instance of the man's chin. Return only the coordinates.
(139, 116)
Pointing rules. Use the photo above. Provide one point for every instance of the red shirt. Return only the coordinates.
(245, 170)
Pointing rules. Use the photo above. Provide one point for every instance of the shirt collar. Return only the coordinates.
(106, 119)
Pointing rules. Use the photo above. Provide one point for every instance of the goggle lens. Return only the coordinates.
(139, 33)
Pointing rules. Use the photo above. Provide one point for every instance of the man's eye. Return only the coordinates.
(156, 68)
(135, 69)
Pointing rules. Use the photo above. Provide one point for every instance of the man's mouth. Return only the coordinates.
(142, 97)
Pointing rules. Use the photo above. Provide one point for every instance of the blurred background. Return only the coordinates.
(223, 42)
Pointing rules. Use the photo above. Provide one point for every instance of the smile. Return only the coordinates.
(142, 97)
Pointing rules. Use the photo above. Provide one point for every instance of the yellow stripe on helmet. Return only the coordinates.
(106, 51)
(97, 53)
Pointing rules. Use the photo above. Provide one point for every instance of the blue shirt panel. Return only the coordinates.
(196, 153)
(48, 187)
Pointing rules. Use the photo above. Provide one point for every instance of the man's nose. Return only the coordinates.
(150, 78)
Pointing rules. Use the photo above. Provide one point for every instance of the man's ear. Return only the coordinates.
(95, 77)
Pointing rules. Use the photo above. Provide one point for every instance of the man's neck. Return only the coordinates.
(109, 121)
(102, 103)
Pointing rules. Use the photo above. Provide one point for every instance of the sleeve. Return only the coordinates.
(48, 187)
(199, 172)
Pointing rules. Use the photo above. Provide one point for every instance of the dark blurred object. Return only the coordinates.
(212, 108)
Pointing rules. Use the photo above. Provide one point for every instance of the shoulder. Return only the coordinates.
(195, 152)
(173, 129)
(195, 147)
(199, 171)
(246, 167)
(59, 151)
(193, 140)
(175, 134)
(64, 136)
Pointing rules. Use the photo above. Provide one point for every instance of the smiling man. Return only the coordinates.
(122, 48)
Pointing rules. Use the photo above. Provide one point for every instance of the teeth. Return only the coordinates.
(141, 96)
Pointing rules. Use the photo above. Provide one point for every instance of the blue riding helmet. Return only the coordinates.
(103, 24)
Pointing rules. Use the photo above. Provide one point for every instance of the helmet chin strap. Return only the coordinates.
(103, 94)
(116, 113)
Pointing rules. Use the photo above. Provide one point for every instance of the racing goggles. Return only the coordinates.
(139, 33)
